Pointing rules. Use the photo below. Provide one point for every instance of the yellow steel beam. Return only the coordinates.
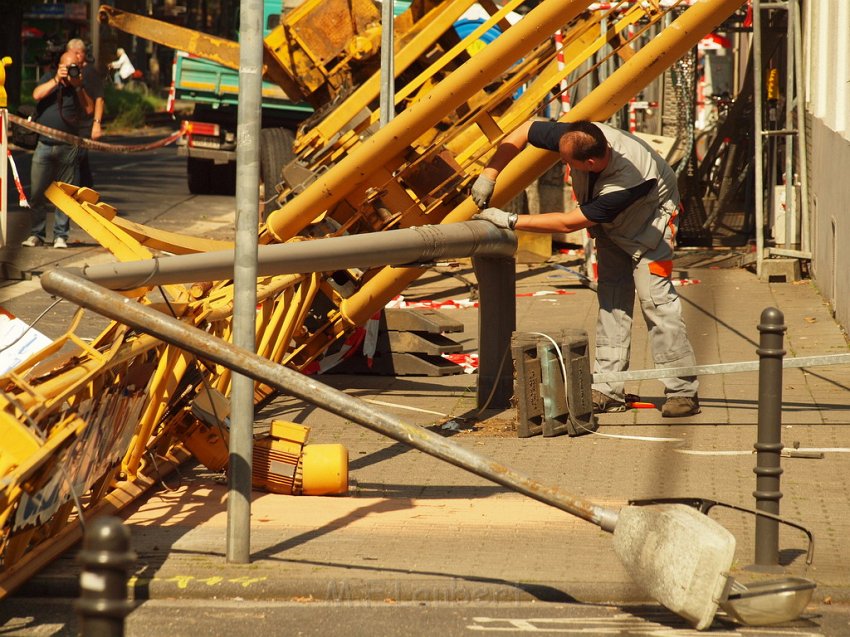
(580, 44)
(394, 138)
(125, 239)
(410, 47)
(79, 204)
(124, 493)
(172, 242)
(613, 94)
(210, 47)
(173, 364)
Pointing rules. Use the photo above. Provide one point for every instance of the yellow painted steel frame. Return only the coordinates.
(56, 405)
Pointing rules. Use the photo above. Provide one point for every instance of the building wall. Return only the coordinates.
(827, 65)
(829, 183)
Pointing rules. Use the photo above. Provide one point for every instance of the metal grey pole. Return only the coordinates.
(404, 246)
(4, 171)
(769, 445)
(759, 142)
(496, 323)
(387, 105)
(790, 141)
(245, 277)
(94, 28)
(805, 242)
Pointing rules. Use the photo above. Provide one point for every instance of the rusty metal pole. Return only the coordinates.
(111, 304)
(106, 556)
(496, 322)
(769, 445)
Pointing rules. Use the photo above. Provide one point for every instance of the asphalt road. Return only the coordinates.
(239, 618)
(145, 187)
(141, 185)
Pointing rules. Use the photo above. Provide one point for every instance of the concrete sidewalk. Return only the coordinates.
(415, 528)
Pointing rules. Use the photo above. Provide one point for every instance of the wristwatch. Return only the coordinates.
(512, 219)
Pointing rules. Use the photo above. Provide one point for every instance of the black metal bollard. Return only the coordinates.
(769, 445)
(106, 556)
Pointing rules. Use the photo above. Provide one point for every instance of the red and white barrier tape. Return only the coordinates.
(22, 197)
(75, 140)
(469, 362)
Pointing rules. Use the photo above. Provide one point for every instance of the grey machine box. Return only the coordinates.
(552, 383)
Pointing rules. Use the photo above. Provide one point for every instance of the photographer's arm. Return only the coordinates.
(86, 100)
(97, 127)
(46, 88)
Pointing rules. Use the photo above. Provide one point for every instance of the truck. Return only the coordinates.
(209, 141)
(212, 89)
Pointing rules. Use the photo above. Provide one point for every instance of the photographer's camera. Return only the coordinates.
(74, 71)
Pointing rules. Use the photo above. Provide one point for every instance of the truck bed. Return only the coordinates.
(204, 82)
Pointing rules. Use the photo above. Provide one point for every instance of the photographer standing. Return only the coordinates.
(90, 126)
(62, 104)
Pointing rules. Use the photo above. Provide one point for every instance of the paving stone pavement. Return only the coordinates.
(415, 528)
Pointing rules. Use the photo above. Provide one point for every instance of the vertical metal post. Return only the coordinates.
(805, 230)
(4, 175)
(245, 277)
(791, 94)
(105, 557)
(496, 323)
(4, 152)
(759, 141)
(94, 29)
(769, 445)
(387, 102)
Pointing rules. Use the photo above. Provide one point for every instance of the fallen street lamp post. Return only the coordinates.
(678, 555)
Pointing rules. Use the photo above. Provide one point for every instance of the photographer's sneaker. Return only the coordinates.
(59, 243)
(32, 241)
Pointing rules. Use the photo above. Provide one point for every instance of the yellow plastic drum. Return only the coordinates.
(324, 470)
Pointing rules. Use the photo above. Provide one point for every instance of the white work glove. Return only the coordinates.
(499, 218)
(482, 190)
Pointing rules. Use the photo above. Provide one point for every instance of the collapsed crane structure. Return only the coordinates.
(89, 426)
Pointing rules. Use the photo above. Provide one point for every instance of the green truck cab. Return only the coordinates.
(209, 142)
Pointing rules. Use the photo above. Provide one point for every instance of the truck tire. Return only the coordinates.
(224, 179)
(275, 153)
(199, 175)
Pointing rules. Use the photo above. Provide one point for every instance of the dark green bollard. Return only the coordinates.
(769, 445)
(106, 557)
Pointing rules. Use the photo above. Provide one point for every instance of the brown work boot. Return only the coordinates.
(680, 406)
(603, 404)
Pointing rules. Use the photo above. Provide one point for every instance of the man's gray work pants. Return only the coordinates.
(619, 277)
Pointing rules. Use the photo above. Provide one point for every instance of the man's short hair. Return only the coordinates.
(76, 43)
(583, 141)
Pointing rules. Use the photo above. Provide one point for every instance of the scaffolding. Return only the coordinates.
(782, 193)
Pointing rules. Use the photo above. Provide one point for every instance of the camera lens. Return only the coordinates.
(74, 71)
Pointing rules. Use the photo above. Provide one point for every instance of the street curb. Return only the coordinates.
(262, 583)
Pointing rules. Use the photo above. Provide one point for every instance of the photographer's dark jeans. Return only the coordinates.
(50, 163)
